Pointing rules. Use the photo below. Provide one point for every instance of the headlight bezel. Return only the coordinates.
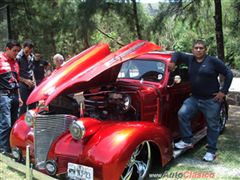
(17, 154)
(77, 130)
(51, 167)
(29, 117)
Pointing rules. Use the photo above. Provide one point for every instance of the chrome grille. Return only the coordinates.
(46, 129)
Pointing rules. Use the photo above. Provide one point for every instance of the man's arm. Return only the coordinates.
(19, 98)
(226, 72)
(178, 57)
(228, 76)
(227, 81)
(28, 82)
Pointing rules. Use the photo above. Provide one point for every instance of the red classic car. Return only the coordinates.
(106, 115)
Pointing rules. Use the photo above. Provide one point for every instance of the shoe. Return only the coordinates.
(182, 145)
(209, 157)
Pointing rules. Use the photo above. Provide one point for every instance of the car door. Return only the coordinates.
(176, 94)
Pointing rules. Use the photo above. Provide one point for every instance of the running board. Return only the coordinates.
(197, 137)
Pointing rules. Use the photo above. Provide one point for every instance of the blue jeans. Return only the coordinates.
(5, 122)
(14, 107)
(211, 112)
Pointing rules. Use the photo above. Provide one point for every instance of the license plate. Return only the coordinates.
(77, 172)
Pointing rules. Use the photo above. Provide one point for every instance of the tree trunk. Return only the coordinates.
(135, 16)
(218, 29)
(86, 43)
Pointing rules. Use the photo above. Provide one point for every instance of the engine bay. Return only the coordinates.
(111, 102)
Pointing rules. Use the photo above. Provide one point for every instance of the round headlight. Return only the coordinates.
(29, 117)
(51, 167)
(16, 153)
(77, 129)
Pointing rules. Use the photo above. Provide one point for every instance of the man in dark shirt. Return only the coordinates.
(206, 96)
(25, 60)
(10, 99)
(40, 67)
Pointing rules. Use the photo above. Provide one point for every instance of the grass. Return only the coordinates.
(8, 173)
(226, 166)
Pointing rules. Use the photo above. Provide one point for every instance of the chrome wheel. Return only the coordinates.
(139, 163)
(223, 117)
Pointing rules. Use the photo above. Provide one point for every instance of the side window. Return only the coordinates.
(128, 70)
(147, 70)
(133, 71)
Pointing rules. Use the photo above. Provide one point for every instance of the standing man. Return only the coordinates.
(25, 60)
(10, 98)
(40, 68)
(206, 96)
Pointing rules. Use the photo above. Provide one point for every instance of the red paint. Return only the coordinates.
(108, 144)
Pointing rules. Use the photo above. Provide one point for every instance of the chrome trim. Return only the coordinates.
(46, 129)
(80, 127)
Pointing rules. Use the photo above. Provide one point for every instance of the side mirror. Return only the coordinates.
(176, 80)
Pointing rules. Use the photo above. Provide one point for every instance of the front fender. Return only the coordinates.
(118, 142)
(21, 135)
(110, 148)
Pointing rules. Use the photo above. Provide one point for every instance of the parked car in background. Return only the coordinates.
(106, 115)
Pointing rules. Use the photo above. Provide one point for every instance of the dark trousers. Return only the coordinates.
(25, 92)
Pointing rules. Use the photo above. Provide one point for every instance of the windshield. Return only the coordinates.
(149, 70)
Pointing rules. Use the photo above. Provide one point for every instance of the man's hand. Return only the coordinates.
(29, 83)
(220, 96)
(171, 66)
(20, 102)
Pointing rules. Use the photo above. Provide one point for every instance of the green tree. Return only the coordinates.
(70, 26)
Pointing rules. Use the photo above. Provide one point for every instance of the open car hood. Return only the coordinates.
(90, 68)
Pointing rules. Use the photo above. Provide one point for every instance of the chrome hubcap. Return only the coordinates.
(223, 118)
(139, 163)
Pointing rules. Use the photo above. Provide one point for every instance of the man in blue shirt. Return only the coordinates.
(206, 96)
(25, 60)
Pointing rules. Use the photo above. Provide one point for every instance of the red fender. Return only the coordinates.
(110, 148)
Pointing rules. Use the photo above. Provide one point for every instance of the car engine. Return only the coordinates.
(112, 103)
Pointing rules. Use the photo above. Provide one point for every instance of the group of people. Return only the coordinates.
(21, 71)
(18, 78)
